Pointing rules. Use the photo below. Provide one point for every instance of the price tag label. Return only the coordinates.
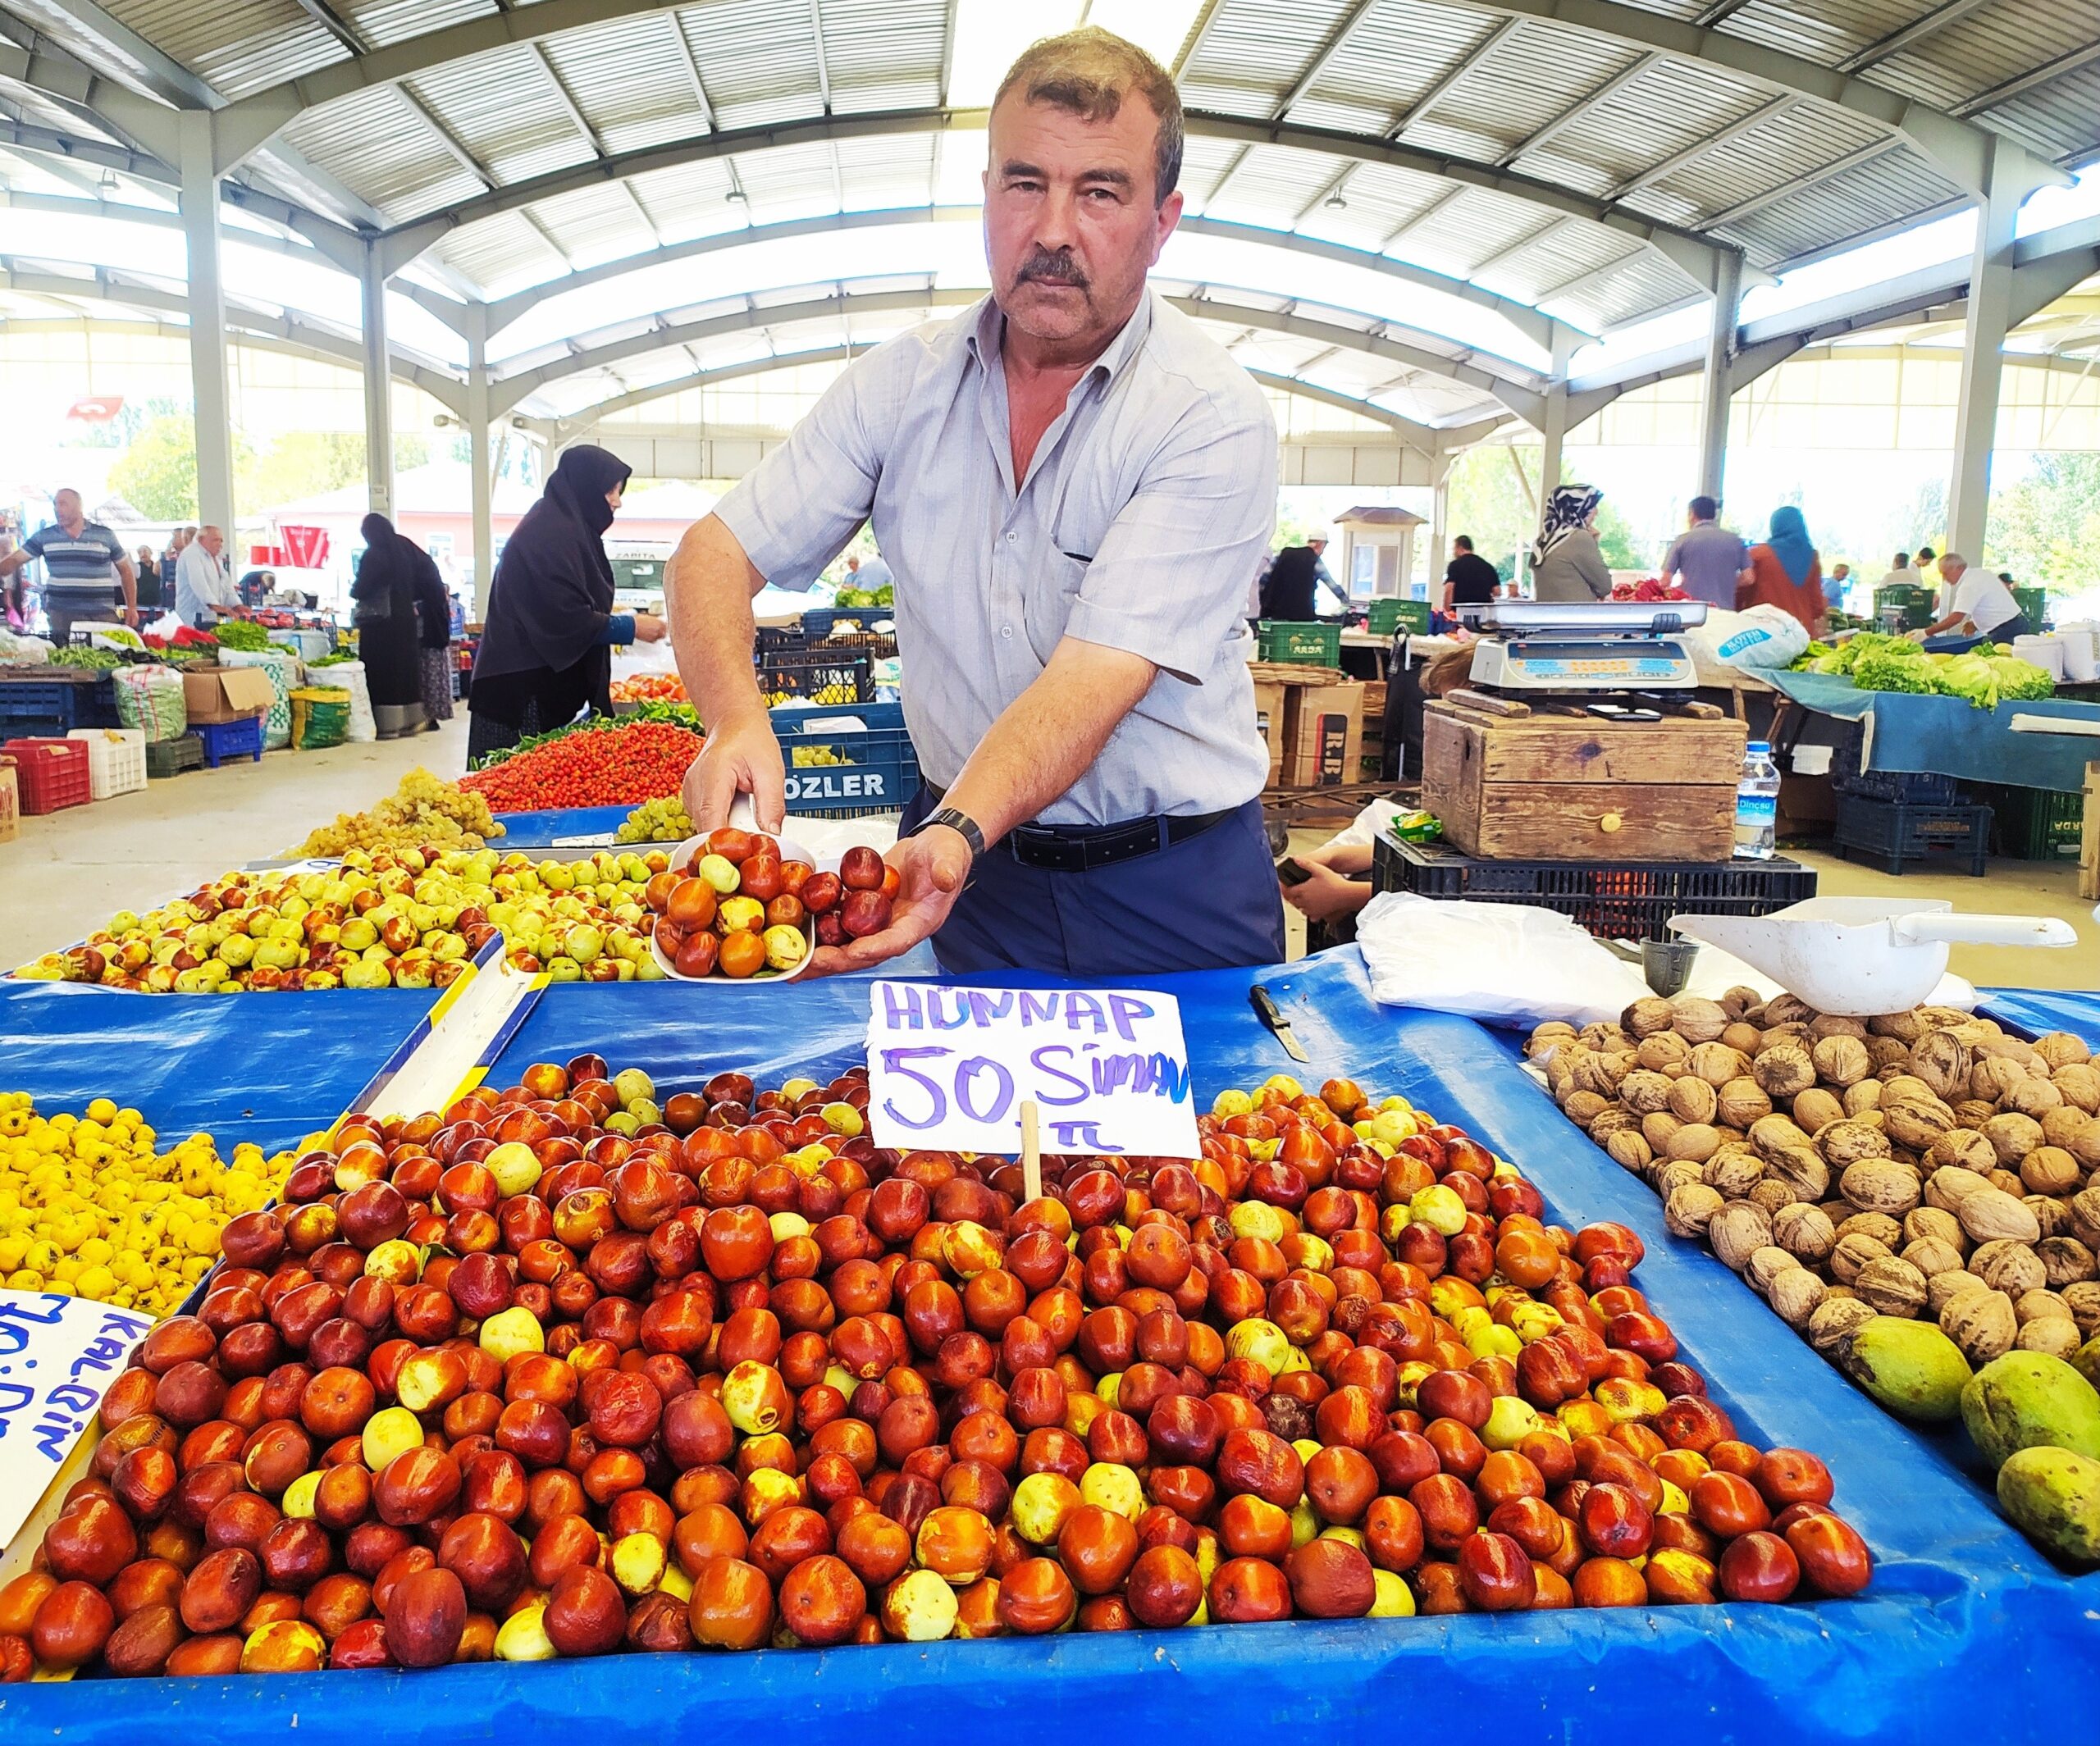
(949, 1069)
(58, 1356)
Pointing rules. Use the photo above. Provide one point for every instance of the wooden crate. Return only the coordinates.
(1537, 785)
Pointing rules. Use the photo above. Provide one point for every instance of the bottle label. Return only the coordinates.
(1757, 809)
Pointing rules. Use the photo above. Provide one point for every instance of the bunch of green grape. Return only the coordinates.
(663, 821)
(423, 810)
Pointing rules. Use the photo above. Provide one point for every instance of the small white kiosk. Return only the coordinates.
(1377, 555)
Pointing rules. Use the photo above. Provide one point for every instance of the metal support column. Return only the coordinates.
(199, 202)
(1554, 428)
(1982, 350)
(478, 457)
(378, 384)
(1714, 392)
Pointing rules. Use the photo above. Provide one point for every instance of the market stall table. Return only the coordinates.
(1954, 1589)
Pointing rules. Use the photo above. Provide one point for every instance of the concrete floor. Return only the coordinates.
(69, 871)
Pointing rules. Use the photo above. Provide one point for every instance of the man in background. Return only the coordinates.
(1982, 609)
(1837, 585)
(1712, 560)
(203, 590)
(83, 564)
(1469, 579)
(871, 575)
(1289, 592)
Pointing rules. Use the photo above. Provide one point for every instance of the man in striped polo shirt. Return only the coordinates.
(83, 562)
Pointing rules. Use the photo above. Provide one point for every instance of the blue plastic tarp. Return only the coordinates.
(1966, 1631)
(541, 830)
(269, 1068)
(2037, 1010)
(1948, 737)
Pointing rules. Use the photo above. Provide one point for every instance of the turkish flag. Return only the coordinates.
(305, 548)
(98, 410)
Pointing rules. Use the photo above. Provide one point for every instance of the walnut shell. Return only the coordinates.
(2005, 1182)
(1716, 1063)
(2085, 1215)
(2050, 1169)
(1963, 1149)
(1846, 1143)
(1691, 1099)
(1736, 1232)
(1942, 1288)
(1913, 1123)
(1743, 1038)
(1772, 1194)
(1783, 1070)
(1795, 1296)
(1989, 1043)
(1688, 1209)
(1852, 1254)
(1762, 1266)
(1776, 1134)
(1742, 1101)
(1947, 1187)
(1546, 1037)
(1943, 1062)
(1929, 1256)
(2009, 1267)
(1878, 1226)
(1937, 1223)
(1698, 1020)
(2056, 1336)
(1695, 1141)
(1993, 1076)
(1734, 1169)
(1878, 1184)
(1611, 1122)
(1605, 1036)
(1863, 1098)
(1671, 1175)
(1973, 1112)
(2034, 1097)
(1904, 1028)
(2012, 1136)
(1816, 1108)
(1842, 1061)
(1601, 1073)
(1627, 1148)
(2066, 1127)
(1906, 1086)
(2033, 1306)
(1835, 1319)
(1585, 1107)
(2051, 1215)
(1739, 999)
(1982, 1324)
(2066, 1261)
(1990, 1215)
(1805, 1231)
(1886, 1052)
(2079, 1082)
(1644, 1090)
(1657, 1127)
(2083, 1299)
(2058, 1048)
(1663, 1053)
(1788, 1009)
(1644, 1018)
(1802, 1169)
(1894, 1287)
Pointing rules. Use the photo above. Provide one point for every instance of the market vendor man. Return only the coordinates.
(1072, 484)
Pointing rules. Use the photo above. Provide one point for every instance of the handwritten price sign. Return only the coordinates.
(58, 1356)
(950, 1068)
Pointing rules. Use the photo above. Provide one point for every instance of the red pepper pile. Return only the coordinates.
(603, 767)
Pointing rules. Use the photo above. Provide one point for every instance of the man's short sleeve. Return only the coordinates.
(794, 512)
(33, 544)
(1673, 558)
(1167, 581)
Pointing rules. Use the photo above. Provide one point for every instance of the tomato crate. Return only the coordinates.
(220, 741)
(815, 676)
(53, 773)
(1625, 901)
(847, 765)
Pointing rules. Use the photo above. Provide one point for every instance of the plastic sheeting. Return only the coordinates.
(270, 1067)
(541, 830)
(1964, 1621)
(2036, 1010)
(1950, 736)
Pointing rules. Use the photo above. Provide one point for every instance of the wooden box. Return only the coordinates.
(1323, 736)
(1567, 786)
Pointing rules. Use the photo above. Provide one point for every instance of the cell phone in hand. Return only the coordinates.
(1291, 872)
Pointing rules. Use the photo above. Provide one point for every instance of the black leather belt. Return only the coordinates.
(1085, 848)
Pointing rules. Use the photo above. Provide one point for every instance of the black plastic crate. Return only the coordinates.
(1892, 833)
(815, 676)
(1626, 900)
(1915, 788)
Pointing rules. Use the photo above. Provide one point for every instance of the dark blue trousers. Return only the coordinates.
(1209, 903)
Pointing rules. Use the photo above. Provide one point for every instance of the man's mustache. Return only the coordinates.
(1049, 268)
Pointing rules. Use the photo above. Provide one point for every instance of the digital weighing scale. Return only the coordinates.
(1582, 646)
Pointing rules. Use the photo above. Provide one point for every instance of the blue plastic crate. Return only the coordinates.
(224, 739)
(816, 622)
(51, 708)
(879, 770)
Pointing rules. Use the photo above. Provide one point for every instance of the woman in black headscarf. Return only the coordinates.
(546, 647)
(388, 636)
(434, 612)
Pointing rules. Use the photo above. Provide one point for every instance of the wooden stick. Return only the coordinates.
(1031, 1153)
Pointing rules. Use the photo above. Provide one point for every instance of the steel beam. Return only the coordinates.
(378, 386)
(206, 300)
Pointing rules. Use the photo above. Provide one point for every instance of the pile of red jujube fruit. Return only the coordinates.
(503, 1383)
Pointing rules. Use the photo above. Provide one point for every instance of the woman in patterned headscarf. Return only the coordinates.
(1566, 564)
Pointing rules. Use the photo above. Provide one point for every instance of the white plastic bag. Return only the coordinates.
(1763, 636)
(364, 729)
(1505, 964)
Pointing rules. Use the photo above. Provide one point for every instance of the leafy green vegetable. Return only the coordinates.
(1885, 670)
(243, 634)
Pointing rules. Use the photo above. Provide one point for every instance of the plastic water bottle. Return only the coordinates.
(1757, 804)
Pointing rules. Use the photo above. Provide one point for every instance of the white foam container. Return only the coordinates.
(2045, 652)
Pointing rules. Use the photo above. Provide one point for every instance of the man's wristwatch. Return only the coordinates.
(954, 821)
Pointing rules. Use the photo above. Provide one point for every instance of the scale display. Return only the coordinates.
(1564, 664)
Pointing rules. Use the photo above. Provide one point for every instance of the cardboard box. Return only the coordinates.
(10, 801)
(1323, 736)
(1268, 721)
(226, 694)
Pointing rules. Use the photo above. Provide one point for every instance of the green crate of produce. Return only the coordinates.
(1389, 617)
(1301, 645)
(2034, 605)
(2038, 824)
(1913, 606)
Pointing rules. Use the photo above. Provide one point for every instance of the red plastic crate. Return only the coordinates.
(53, 773)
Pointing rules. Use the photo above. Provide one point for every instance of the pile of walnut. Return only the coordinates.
(1923, 1164)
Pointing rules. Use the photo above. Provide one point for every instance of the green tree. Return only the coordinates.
(1622, 548)
(1493, 498)
(302, 464)
(2045, 528)
(157, 476)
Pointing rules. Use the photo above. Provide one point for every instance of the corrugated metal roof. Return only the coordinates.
(883, 54)
(759, 58)
(629, 78)
(382, 151)
(503, 109)
(1252, 50)
(384, 22)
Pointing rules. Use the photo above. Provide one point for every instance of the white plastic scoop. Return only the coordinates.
(1858, 956)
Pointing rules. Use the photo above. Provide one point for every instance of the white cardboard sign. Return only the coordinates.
(1107, 1068)
(58, 1356)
